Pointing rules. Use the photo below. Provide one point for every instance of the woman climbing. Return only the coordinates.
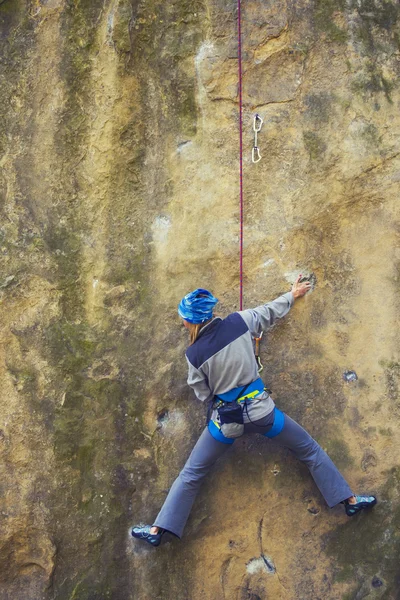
(223, 372)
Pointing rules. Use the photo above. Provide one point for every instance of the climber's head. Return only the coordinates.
(196, 310)
(197, 307)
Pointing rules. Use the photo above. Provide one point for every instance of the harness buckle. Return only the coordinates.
(257, 352)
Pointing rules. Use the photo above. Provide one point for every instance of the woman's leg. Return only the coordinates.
(176, 508)
(329, 480)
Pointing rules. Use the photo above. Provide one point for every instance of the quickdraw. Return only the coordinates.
(257, 124)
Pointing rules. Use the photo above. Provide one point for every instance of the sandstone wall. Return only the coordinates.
(118, 194)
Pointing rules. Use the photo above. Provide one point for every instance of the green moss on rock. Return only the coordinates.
(25, 379)
(119, 27)
(11, 8)
(319, 106)
(324, 11)
(384, 14)
(352, 595)
(314, 145)
(164, 39)
(371, 135)
(362, 541)
(67, 257)
(372, 80)
(71, 345)
(344, 574)
(88, 589)
(339, 452)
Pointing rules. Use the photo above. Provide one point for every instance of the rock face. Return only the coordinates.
(119, 193)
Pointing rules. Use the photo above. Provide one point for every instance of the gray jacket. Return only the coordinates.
(222, 357)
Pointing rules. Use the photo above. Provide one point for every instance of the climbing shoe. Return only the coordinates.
(362, 502)
(142, 532)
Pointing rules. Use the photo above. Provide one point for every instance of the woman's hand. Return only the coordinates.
(299, 289)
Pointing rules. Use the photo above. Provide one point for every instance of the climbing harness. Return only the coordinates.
(257, 352)
(236, 394)
(229, 423)
(279, 421)
(257, 124)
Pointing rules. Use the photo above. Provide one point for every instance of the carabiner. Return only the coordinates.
(257, 352)
(257, 123)
(255, 155)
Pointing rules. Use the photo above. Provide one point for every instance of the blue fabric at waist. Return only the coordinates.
(278, 425)
(235, 393)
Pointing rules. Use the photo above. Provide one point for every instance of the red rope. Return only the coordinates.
(240, 160)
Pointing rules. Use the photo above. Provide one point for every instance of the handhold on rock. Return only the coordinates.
(163, 416)
(7, 281)
(350, 376)
(313, 510)
(376, 582)
(306, 275)
(369, 459)
(263, 563)
(269, 564)
(311, 278)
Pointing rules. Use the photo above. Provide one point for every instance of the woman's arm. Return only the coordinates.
(198, 382)
(263, 317)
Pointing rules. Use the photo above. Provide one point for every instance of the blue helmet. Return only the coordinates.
(197, 306)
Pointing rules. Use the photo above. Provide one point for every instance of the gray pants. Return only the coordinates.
(177, 506)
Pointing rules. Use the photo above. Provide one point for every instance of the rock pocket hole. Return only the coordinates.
(162, 417)
(376, 582)
(311, 278)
